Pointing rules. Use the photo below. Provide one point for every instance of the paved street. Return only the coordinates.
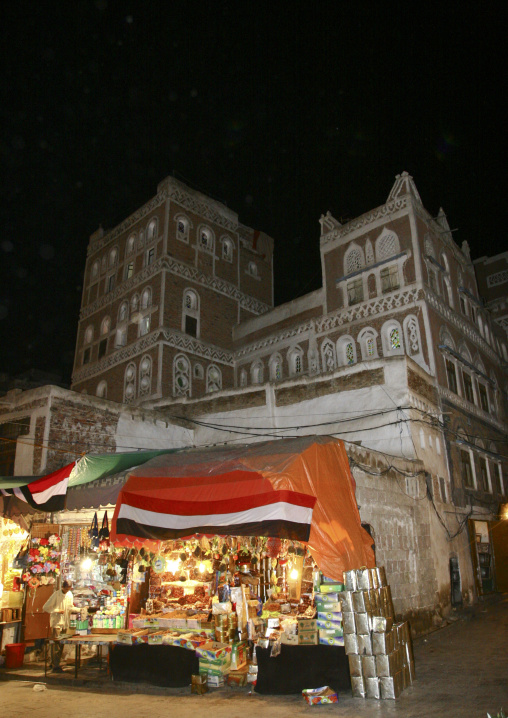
(462, 671)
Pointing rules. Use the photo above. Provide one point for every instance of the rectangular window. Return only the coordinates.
(150, 256)
(121, 338)
(191, 326)
(463, 307)
(86, 356)
(103, 345)
(484, 402)
(442, 486)
(10, 431)
(499, 477)
(144, 326)
(468, 387)
(110, 283)
(467, 471)
(484, 477)
(452, 376)
(129, 270)
(355, 291)
(389, 279)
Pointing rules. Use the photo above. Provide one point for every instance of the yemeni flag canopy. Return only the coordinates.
(301, 489)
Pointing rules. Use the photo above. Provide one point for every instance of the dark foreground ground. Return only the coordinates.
(462, 670)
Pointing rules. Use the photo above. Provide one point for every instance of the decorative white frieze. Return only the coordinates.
(468, 407)
(380, 213)
(182, 270)
(194, 346)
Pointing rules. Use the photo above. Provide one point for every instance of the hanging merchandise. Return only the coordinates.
(94, 532)
(104, 541)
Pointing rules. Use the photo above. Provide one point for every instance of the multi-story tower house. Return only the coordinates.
(161, 293)
(492, 277)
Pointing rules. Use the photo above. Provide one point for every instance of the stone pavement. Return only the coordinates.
(462, 672)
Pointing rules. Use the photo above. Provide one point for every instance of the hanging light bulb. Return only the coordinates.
(86, 564)
(294, 574)
(202, 567)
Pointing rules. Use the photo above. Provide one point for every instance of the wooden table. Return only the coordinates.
(97, 640)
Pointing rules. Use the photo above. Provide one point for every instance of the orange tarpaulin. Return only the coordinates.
(191, 490)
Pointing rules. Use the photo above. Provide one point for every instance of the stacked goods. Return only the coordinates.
(327, 597)
(380, 652)
(214, 662)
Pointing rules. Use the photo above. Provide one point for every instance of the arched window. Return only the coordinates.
(190, 313)
(102, 389)
(295, 361)
(391, 335)
(243, 377)
(206, 239)
(151, 230)
(368, 344)
(227, 249)
(256, 372)
(146, 298)
(346, 351)
(130, 245)
(181, 376)
(428, 247)
(123, 312)
(113, 257)
(89, 334)
(129, 389)
(275, 365)
(353, 259)
(412, 335)
(94, 274)
(182, 228)
(387, 245)
(134, 303)
(252, 269)
(198, 371)
(213, 379)
(145, 376)
(328, 355)
(105, 326)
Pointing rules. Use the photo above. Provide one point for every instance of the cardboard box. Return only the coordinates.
(332, 640)
(320, 696)
(215, 681)
(331, 633)
(328, 597)
(329, 606)
(289, 639)
(306, 625)
(199, 684)
(331, 588)
(324, 622)
(238, 677)
(211, 650)
(308, 638)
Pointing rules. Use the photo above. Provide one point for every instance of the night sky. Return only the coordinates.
(280, 113)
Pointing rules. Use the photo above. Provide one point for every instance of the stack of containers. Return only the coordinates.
(329, 612)
(380, 651)
(214, 662)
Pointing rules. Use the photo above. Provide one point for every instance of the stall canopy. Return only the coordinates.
(296, 488)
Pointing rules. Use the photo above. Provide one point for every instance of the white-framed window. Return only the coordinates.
(295, 361)
(129, 270)
(198, 372)
(102, 389)
(105, 326)
(227, 249)
(182, 228)
(355, 291)
(113, 257)
(346, 351)
(353, 259)
(467, 385)
(146, 298)
(389, 279)
(130, 245)
(328, 355)
(213, 379)
(190, 313)
(129, 385)
(387, 245)
(145, 376)
(451, 375)
(144, 325)
(134, 303)
(89, 334)
(412, 335)
(206, 239)
(252, 269)
(257, 372)
(367, 339)
(466, 468)
(121, 337)
(181, 376)
(151, 230)
(275, 367)
(391, 336)
(243, 377)
(123, 311)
